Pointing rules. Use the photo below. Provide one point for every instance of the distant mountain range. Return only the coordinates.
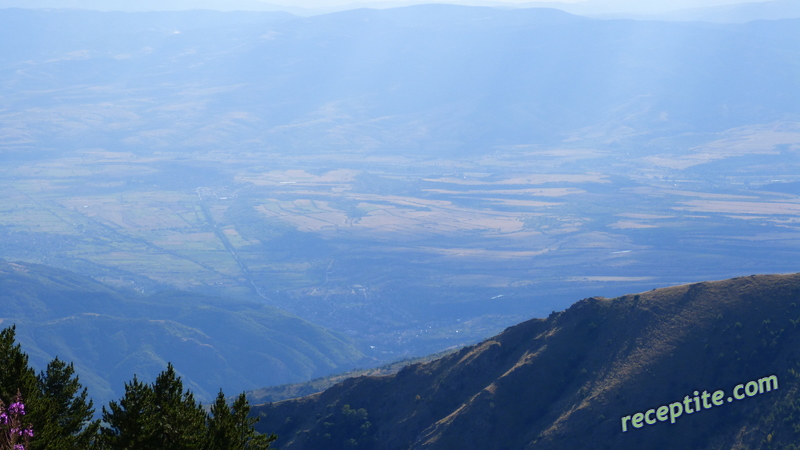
(150, 5)
(734, 13)
(711, 11)
(431, 78)
(111, 335)
(595, 376)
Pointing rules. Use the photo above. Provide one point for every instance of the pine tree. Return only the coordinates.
(15, 374)
(220, 425)
(163, 416)
(18, 389)
(181, 420)
(65, 412)
(130, 423)
(230, 428)
(55, 403)
(244, 427)
(160, 416)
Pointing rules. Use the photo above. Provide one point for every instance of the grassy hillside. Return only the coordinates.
(112, 334)
(567, 381)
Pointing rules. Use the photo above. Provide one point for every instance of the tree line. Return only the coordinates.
(51, 410)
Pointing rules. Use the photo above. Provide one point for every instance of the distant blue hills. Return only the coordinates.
(449, 78)
(111, 335)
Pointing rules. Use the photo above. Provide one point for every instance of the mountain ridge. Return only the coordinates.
(568, 380)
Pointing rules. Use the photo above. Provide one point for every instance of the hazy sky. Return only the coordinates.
(320, 6)
(599, 5)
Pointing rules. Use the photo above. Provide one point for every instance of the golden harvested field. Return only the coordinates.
(750, 140)
(627, 225)
(541, 192)
(403, 215)
(761, 208)
(301, 177)
(527, 179)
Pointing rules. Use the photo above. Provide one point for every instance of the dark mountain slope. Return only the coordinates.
(111, 335)
(568, 380)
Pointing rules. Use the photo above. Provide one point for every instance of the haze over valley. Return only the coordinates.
(411, 179)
